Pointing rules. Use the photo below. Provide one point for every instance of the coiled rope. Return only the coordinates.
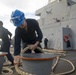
(7, 71)
(53, 67)
(64, 73)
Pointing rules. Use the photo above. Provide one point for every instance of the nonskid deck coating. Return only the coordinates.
(62, 65)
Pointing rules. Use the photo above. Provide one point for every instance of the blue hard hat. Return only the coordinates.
(17, 17)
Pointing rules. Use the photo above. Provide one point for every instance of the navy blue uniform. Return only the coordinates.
(30, 36)
(45, 43)
(5, 47)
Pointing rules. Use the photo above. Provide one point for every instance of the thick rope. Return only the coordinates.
(64, 73)
(7, 71)
(23, 51)
(58, 57)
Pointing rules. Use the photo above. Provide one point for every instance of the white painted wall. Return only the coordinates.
(52, 29)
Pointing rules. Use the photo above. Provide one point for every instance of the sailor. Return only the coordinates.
(28, 31)
(45, 43)
(5, 35)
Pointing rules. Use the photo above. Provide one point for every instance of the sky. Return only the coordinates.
(27, 6)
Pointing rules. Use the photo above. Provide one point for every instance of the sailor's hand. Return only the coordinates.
(16, 59)
(32, 47)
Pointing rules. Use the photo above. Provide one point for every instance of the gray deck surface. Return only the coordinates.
(62, 66)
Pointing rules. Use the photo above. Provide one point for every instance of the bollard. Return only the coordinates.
(37, 63)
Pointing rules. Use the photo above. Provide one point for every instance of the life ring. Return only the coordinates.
(65, 38)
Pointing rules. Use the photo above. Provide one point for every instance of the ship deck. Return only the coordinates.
(62, 66)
